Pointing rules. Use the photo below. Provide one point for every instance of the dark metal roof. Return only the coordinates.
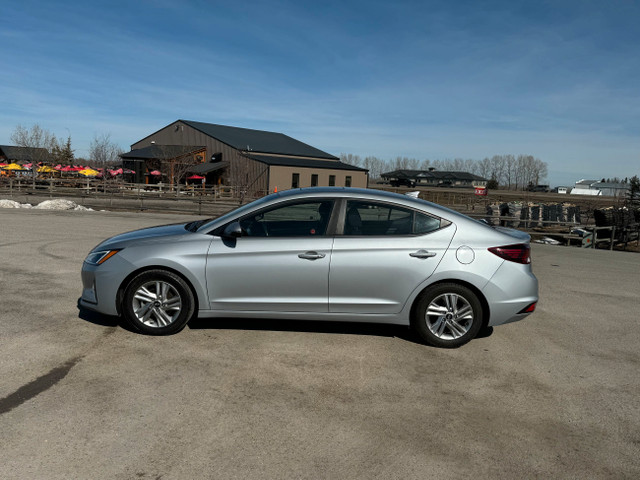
(304, 162)
(209, 167)
(161, 151)
(258, 140)
(435, 174)
(23, 154)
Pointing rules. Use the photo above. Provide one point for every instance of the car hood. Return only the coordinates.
(151, 234)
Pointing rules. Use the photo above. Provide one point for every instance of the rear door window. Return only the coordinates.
(370, 218)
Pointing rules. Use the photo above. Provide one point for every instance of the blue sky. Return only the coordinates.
(557, 80)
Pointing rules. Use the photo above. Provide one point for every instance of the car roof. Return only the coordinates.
(369, 193)
(345, 192)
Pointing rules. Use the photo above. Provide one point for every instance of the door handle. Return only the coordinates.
(422, 254)
(311, 255)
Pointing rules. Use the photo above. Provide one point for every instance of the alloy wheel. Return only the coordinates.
(157, 304)
(449, 316)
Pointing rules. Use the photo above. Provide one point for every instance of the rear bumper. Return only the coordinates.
(511, 289)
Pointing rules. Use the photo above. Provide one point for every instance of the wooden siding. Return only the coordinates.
(180, 134)
(256, 178)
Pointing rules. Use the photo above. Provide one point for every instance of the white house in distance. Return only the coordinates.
(595, 187)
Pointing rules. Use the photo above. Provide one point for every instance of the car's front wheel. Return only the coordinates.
(447, 315)
(158, 302)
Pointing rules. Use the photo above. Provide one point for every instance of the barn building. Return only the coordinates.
(254, 160)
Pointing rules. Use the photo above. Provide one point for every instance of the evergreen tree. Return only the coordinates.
(66, 154)
(63, 154)
(633, 195)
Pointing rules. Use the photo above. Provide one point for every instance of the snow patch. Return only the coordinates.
(57, 204)
(11, 204)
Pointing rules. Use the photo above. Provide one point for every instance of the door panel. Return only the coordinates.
(376, 274)
(268, 274)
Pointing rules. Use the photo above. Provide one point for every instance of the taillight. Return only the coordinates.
(529, 308)
(514, 253)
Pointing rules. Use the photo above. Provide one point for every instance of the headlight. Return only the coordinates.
(98, 258)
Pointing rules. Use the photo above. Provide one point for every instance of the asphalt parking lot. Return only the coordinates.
(556, 395)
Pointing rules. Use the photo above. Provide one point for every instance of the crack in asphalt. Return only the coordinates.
(37, 386)
(43, 382)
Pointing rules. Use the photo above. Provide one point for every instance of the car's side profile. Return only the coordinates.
(319, 254)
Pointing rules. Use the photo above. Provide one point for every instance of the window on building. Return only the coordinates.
(347, 181)
(367, 218)
(314, 180)
(332, 180)
(295, 180)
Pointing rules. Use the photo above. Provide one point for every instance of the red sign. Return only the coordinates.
(481, 191)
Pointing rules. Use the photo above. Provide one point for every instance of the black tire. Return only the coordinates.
(165, 314)
(455, 316)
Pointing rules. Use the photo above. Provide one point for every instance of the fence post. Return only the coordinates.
(613, 235)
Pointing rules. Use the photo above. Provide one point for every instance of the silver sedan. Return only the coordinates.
(340, 254)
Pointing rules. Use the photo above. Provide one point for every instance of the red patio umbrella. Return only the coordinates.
(155, 172)
(195, 177)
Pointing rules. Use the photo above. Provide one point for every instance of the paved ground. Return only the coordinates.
(554, 396)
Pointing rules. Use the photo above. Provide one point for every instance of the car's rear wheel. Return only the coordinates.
(447, 315)
(158, 302)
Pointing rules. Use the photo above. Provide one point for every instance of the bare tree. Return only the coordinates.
(179, 168)
(35, 137)
(540, 171)
(375, 166)
(483, 167)
(498, 169)
(104, 153)
(426, 164)
(351, 159)
(508, 170)
(41, 140)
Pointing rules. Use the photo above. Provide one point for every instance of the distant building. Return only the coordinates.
(433, 178)
(611, 189)
(9, 154)
(595, 187)
(255, 160)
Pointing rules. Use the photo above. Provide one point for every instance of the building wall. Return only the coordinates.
(280, 177)
(249, 176)
(256, 178)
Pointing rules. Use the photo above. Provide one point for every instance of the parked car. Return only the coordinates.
(342, 254)
(538, 188)
(402, 182)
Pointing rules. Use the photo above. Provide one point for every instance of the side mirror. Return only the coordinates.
(233, 230)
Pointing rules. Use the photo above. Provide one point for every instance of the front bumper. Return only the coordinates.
(100, 284)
